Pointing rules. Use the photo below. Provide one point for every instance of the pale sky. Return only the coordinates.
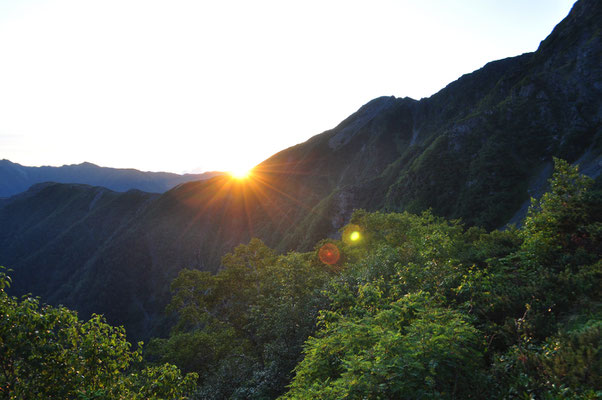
(185, 86)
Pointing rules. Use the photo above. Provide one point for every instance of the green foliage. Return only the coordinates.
(567, 365)
(161, 382)
(564, 222)
(243, 328)
(47, 352)
(418, 252)
(574, 359)
(411, 348)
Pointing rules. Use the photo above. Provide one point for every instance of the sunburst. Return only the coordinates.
(240, 173)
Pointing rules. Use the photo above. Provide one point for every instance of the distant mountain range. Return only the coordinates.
(16, 178)
(476, 150)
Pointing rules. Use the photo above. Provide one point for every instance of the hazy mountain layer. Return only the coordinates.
(16, 178)
(471, 151)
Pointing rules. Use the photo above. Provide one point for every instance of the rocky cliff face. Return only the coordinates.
(473, 151)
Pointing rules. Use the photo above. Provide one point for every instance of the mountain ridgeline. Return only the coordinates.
(476, 150)
(16, 178)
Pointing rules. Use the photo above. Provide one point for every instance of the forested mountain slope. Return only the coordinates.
(50, 233)
(470, 151)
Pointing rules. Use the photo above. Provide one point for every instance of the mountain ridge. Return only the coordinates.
(16, 178)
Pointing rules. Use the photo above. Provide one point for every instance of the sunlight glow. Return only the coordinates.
(240, 173)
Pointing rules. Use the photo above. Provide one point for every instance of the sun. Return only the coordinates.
(240, 173)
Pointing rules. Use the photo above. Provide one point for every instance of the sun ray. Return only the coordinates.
(242, 196)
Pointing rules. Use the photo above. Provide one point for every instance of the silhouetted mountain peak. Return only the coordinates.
(85, 164)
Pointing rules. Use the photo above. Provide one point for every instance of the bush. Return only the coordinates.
(47, 352)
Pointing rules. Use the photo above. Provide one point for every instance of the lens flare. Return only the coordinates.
(352, 234)
(329, 254)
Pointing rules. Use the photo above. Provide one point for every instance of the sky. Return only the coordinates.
(191, 86)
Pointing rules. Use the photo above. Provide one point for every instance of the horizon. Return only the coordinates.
(139, 97)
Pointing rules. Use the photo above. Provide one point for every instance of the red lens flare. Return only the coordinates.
(329, 254)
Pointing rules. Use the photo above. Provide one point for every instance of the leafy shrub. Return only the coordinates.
(47, 352)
